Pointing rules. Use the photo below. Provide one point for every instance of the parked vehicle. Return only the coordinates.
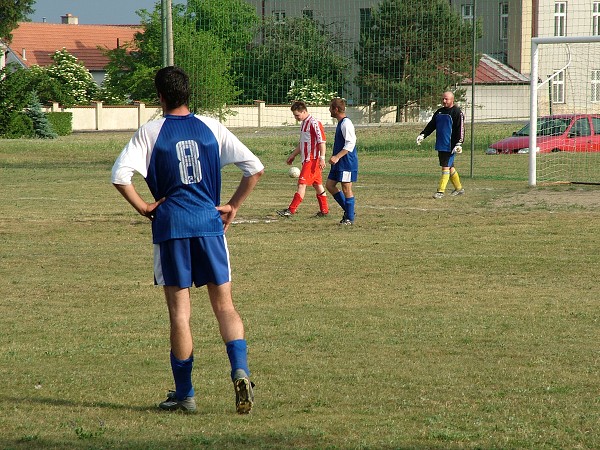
(557, 133)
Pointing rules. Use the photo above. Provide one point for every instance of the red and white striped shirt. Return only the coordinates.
(312, 134)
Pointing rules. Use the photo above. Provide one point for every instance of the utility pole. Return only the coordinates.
(167, 32)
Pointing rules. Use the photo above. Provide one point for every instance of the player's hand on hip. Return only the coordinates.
(227, 213)
(151, 208)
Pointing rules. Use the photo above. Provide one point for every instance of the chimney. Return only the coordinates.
(24, 54)
(69, 19)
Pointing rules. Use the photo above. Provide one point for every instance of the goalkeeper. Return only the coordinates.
(448, 122)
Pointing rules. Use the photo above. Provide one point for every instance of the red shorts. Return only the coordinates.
(311, 173)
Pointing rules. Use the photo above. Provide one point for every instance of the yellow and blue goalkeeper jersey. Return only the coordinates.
(449, 127)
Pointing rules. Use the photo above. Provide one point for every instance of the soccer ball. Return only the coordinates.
(294, 172)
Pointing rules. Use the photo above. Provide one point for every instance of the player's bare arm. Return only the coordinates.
(335, 158)
(229, 210)
(140, 205)
(322, 151)
(293, 155)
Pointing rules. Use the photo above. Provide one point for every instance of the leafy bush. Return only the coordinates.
(77, 81)
(19, 126)
(62, 122)
(311, 92)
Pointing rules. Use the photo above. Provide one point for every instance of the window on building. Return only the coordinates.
(503, 21)
(279, 16)
(558, 88)
(595, 88)
(467, 12)
(308, 13)
(560, 18)
(596, 19)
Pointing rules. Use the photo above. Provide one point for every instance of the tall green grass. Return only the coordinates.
(467, 322)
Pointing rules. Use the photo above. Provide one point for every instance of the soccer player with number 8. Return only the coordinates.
(180, 156)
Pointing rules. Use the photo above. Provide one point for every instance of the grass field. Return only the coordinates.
(468, 322)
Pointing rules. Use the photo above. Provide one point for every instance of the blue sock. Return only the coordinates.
(238, 356)
(339, 197)
(182, 374)
(350, 208)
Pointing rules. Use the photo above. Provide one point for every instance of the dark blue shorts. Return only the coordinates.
(200, 260)
(446, 159)
(344, 176)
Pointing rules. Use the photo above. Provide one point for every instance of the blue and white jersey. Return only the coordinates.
(181, 157)
(345, 138)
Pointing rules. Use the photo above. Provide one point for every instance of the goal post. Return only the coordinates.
(535, 86)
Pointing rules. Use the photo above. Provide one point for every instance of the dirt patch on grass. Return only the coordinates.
(587, 197)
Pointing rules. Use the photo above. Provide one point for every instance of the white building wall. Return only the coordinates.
(497, 103)
(577, 60)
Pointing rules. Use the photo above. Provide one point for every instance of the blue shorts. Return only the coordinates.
(199, 260)
(343, 176)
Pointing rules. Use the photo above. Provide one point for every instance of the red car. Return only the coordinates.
(558, 133)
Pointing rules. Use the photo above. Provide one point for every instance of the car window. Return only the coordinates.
(549, 126)
(596, 124)
(580, 128)
(523, 131)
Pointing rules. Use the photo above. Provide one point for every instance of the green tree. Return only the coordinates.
(15, 86)
(108, 94)
(48, 89)
(299, 49)
(41, 127)
(12, 12)
(208, 35)
(65, 81)
(411, 51)
(210, 72)
(131, 68)
(78, 85)
(234, 22)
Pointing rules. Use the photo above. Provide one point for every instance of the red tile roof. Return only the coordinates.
(41, 40)
(492, 71)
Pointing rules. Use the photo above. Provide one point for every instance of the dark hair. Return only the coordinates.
(298, 105)
(174, 85)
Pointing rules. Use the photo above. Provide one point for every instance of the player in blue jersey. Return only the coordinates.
(448, 123)
(344, 161)
(181, 156)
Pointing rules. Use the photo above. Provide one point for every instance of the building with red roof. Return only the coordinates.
(34, 43)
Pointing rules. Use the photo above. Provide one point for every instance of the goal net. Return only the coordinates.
(565, 110)
(392, 59)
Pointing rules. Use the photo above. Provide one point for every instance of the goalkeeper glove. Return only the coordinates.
(420, 139)
(457, 149)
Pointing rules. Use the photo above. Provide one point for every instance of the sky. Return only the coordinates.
(106, 12)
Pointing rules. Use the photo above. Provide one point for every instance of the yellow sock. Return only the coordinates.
(443, 180)
(454, 178)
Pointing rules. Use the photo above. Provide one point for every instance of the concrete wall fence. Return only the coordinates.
(99, 117)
